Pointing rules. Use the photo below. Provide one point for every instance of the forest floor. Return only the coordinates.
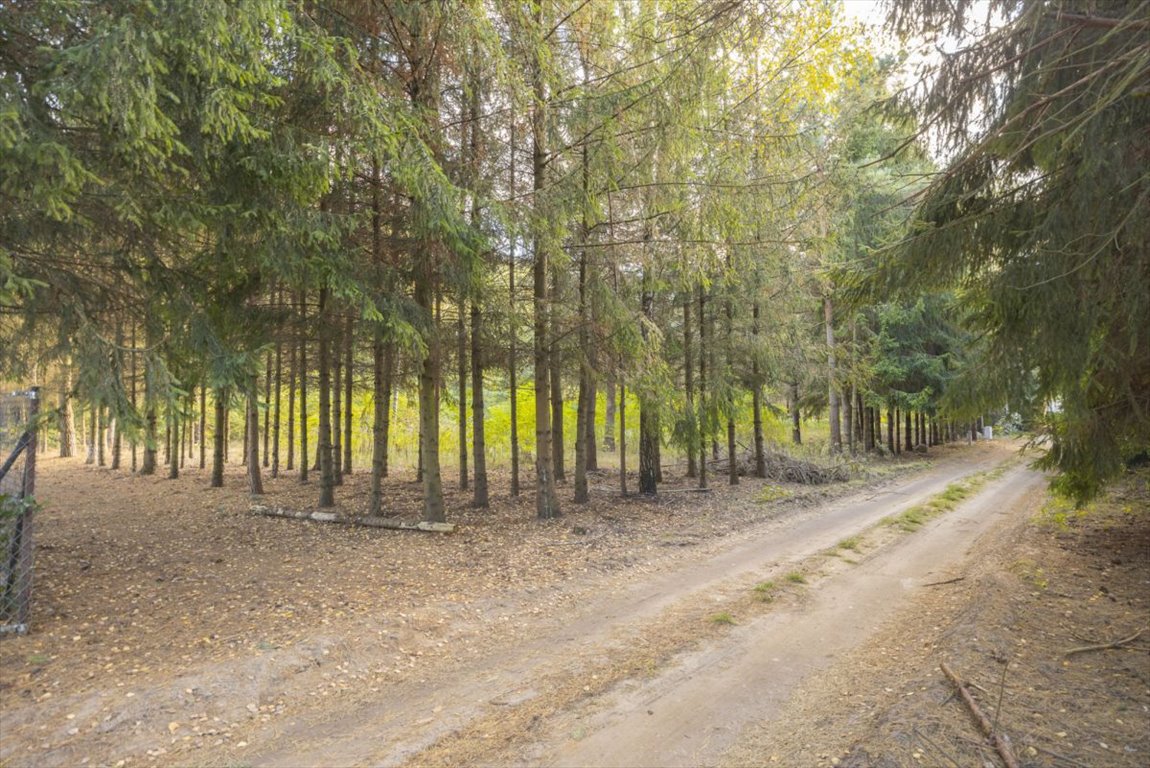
(759, 624)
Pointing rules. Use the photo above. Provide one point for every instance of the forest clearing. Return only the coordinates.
(607, 382)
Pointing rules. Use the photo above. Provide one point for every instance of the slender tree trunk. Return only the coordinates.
(689, 389)
(461, 399)
(584, 412)
(293, 353)
(203, 425)
(132, 391)
(513, 334)
(609, 415)
(433, 510)
(909, 436)
(101, 435)
(336, 426)
(703, 415)
(832, 394)
(255, 479)
(732, 446)
(898, 431)
(219, 436)
(303, 455)
(175, 441)
(348, 391)
(845, 412)
(67, 413)
(276, 414)
(267, 408)
(118, 360)
(555, 358)
(92, 428)
(380, 407)
(324, 443)
(622, 434)
(478, 431)
(868, 430)
(546, 503)
(592, 407)
(148, 463)
(648, 424)
(796, 417)
(757, 401)
(890, 429)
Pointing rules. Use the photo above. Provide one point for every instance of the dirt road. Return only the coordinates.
(653, 674)
(627, 633)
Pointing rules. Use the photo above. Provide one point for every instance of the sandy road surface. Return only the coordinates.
(696, 710)
(626, 680)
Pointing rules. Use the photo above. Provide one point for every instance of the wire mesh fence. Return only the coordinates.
(18, 411)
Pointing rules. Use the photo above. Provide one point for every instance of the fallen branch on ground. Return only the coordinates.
(1105, 646)
(948, 581)
(1000, 744)
(370, 522)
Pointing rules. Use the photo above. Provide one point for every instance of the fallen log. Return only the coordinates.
(366, 520)
(1000, 744)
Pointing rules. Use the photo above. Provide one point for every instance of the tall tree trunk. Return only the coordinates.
(203, 425)
(67, 413)
(648, 420)
(381, 405)
(324, 442)
(132, 391)
(255, 479)
(592, 407)
(101, 435)
(622, 434)
(832, 394)
(890, 429)
(175, 441)
(845, 411)
(546, 502)
(703, 414)
(336, 426)
(609, 414)
(348, 391)
(267, 407)
(148, 463)
(689, 389)
(796, 417)
(513, 333)
(433, 510)
(303, 454)
(118, 363)
(276, 413)
(868, 430)
(732, 446)
(897, 427)
(461, 382)
(584, 412)
(908, 437)
(757, 401)
(555, 360)
(478, 431)
(219, 436)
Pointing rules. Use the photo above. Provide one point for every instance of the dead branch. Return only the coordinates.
(948, 581)
(1105, 646)
(1000, 744)
(370, 522)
